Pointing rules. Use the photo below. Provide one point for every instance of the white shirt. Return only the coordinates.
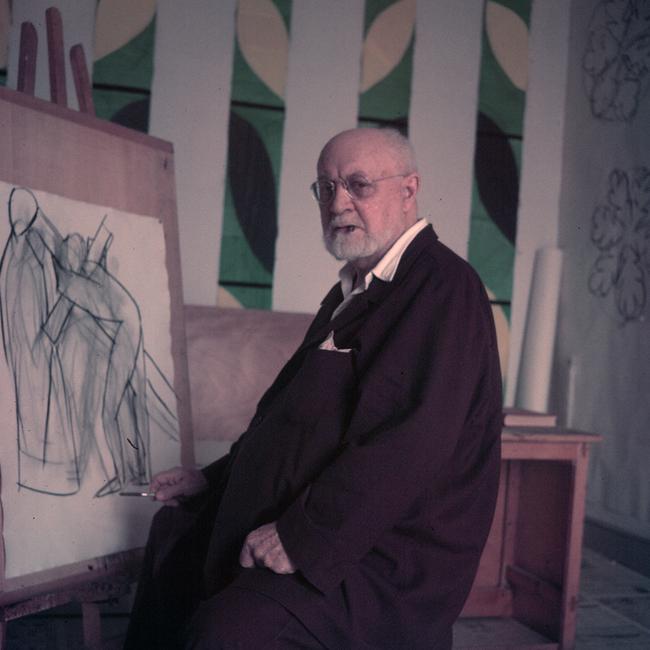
(384, 269)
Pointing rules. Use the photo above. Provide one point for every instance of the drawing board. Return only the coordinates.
(94, 393)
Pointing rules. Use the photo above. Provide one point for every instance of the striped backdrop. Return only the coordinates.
(249, 90)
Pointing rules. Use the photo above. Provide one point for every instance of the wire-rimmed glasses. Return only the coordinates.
(357, 187)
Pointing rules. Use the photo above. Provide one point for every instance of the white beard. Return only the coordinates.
(350, 246)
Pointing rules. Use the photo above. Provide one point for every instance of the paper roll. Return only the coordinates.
(533, 382)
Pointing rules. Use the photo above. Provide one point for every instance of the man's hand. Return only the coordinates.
(264, 548)
(173, 484)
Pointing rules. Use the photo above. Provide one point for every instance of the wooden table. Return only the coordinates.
(530, 568)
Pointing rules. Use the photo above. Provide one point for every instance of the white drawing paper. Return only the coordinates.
(86, 375)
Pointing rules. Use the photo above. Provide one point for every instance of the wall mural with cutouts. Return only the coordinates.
(123, 61)
(620, 233)
(125, 32)
(497, 157)
(615, 60)
(387, 63)
(603, 338)
(386, 70)
(254, 153)
(250, 208)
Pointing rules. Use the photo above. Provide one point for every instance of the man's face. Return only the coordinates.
(362, 230)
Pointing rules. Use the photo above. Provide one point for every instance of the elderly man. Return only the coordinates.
(353, 511)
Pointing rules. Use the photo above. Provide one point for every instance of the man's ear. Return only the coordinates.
(410, 186)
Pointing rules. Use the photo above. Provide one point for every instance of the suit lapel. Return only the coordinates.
(323, 322)
(426, 237)
(320, 322)
(331, 301)
(358, 306)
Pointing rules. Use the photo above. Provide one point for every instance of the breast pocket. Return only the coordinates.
(380, 403)
(326, 379)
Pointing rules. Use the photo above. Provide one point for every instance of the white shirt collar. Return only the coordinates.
(386, 267)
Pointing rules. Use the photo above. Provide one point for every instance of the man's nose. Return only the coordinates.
(341, 200)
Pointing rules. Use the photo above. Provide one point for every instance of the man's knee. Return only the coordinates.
(239, 618)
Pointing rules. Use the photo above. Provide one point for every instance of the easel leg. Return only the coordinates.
(92, 626)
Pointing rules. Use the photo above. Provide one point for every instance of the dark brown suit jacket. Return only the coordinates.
(379, 464)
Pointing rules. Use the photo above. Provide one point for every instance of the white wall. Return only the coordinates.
(442, 121)
(602, 364)
(190, 106)
(321, 100)
(541, 168)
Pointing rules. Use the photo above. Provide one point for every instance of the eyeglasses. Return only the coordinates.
(357, 187)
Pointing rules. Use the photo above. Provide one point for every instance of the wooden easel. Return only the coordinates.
(56, 62)
(98, 162)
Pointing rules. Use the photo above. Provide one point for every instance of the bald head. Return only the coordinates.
(386, 141)
(367, 185)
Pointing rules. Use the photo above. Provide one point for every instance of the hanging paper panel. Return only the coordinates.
(254, 153)
(497, 161)
(387, 63)
(124, 46)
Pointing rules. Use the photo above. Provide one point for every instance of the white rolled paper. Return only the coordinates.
(533, 382)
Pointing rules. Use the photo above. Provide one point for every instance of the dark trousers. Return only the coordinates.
(169, 614)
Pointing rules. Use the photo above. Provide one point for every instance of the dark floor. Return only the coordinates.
(614, 614)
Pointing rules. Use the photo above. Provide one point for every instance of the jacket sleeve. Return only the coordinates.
(431, 383)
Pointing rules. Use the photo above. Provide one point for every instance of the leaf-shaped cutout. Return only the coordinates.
(226, 299)
(503, 333)
(636, 56)
(619, 192)
(601, 51)
(630, 287)
(603, 94)
(644, 243)
(603, 274)
(497, 177)
(252, 186)
(508, 37)
(641, 184)
(606, 229)
(264, 42)
(627, 100)
(119, 21)
(134, 115)
(617, 11)
(386, 42)
(641, 191)
(5, 21)
(643, 13)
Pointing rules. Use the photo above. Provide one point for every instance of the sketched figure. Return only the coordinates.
(616, 61)
(620, 230)
(73, 339)
(97, 314)
(83, 356)
(47, 444)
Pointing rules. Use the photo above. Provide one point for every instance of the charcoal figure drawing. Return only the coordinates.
(73, 340)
